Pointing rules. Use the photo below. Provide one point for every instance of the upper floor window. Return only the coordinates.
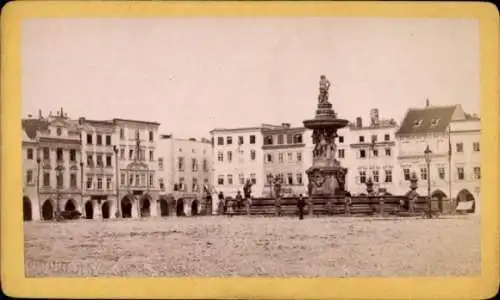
(220, 180)
(281, 139)
(108, 161)
(280, 157)
(180, 163)
(205, 165)
(29, 176)
(89, 139)
(423, 173)
(434, 122)
(252, 139)
(361, 139)
(299, 156)
(376, 176)
(374, 138)
(460, 173)
(475, 147)
(253, 178)
(477, 172)
(362, 153)
(46, 179)
(59, 131)
(229, 140)
(220, 140)
(122, 134)
(99, 139)
(151, 155)
(268, 140)
(72, 180)
(297, 139)
(151, 137)
(131, 154)
(289, 138)
(375, 152)
(72, 155)
(160, 163)
(388, 175)
(341, 153)
(194, 165)
(341, 139)
(387, 151)
(417, 123)
(252, 155)
(220, 156)
(460, 147)
(59, 154)
(29, 153)
(269, 158)
(441, 173)
(387, 137)
(406, 173)
(108, 140)
(240, 140)
(362, 176)
(46, 153)
(229, 156)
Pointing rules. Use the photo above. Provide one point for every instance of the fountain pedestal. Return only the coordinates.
(326, 176)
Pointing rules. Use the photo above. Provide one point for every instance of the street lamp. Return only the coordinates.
(428, 158)
(59, 185)
(117, 212)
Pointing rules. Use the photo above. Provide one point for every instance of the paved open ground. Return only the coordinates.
(254, 246)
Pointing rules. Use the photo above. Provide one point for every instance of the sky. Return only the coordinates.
(195, 74)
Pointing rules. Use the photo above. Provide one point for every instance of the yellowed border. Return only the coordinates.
(13, 280)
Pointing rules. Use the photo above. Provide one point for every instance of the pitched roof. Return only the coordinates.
(31, 126)
(427, 120)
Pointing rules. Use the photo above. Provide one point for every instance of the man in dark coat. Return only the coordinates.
(301, 203)
(239, 200)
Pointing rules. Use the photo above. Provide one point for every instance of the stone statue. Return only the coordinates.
(324, 86)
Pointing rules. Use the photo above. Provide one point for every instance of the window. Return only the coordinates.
(58, 131)
(434, 122)
(99, 182)
(29, 176)
(289, 138)
(341, 139)
(289, 178)
(142, 155)
(143, 179)
(229, 156)
(90, 160)
(220, 156)
(220, 140)
(46, 179)
(72, 155)
(194, 186)
(280, 157)
(59, 180)
(341, 153)
(423, 173)
(131, 154)
(220, 180)
(475, 147)
(29, 153)
(289, 156)
(362, 153)
(387, 137)
(299, 156)
(387, 151)
(160, 163)
(122, 153)
(72, 180)
(374, 138)
(406, 173)
(151, 155)
(108, 161)
(281, 139)
(90, 179)
(180, 164)
(229, 140)
(252, 139)
(298, 177)
(46, 153)
(122, 178)
(388, 176)
(182, 187)
(108, 183)
(205, 165)
(362, 176)
(137, 134)
(268, 140)
(253, 178)
(441, 173)
(89, 139)
(297, 139)
(252, 155)
(161, 183)
(477, 172)
(151, 180)
(241, 178)
(361, 139)
(99, 139)
(194, 165)
(376, 176)
(417, 123)
(230, 179)
(269, 158)
(375, 152)
(122, 134)
(108, 140)
(460, 147)
(59, 154)
(240, 140)
(460, 173)
(268, 178)
(130, 179)
(99, 160)
(151, 137)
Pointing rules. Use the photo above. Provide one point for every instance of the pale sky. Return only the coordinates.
(195, 74)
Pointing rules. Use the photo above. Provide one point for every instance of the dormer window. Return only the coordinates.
(434, 122)
(417, 123)
(58, 131)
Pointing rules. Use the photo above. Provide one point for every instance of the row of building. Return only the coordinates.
(105, 167)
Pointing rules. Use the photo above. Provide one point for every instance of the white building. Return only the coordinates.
(369, 151)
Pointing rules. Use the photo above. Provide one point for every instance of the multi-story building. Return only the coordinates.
(53, 170)
(287, 156)
(136, 147)
(238, 156)
(99, 176)
(369, 151)
(448, 131)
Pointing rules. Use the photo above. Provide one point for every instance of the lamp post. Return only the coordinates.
(117, 212)
(428, 158)
(59, 185)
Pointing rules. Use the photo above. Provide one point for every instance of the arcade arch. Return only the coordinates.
(89, 210)
(179, 207)
(106, 210)
(48, 210)
(194, 207)
(126, 206)
(164, 209)
(145, 206)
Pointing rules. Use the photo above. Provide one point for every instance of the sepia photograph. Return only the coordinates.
(251, 147)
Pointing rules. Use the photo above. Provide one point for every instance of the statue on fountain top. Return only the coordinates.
(324, 86)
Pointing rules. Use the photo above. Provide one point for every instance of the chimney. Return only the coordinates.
(359, 122)
(40, 114)
(285, 125)
(374, 117)
(427, 102)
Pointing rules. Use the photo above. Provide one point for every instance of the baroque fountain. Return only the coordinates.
(326, 176)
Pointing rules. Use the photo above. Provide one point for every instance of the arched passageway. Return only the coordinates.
(439, 196)
(466, 196)
(164, 207)
(145, 207)
(194, 208)
(69, 206)
(47, 210)
(27, 210)
(179, 207)
(106, 210)
(89, 210)
(126, 206)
